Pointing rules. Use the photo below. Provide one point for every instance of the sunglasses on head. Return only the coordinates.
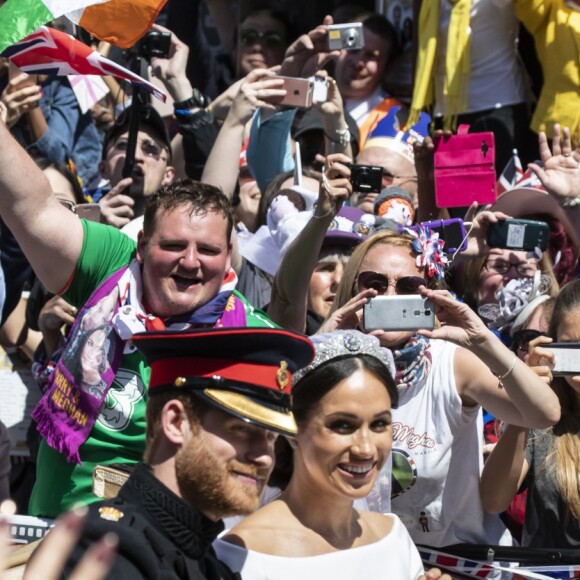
(522, 338)
(270, 38)
(380, 283)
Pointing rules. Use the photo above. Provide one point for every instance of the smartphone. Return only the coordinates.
(566, 357)
(89, 211)
(517, 234)
(399, 313)
(451, 230)
(298, 92)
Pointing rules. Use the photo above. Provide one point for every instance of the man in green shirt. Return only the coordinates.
(178, 275)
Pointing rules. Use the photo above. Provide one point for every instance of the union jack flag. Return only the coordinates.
(52, 52)
(471, 567)
(511, 174)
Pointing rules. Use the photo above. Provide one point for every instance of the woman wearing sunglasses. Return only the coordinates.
(443, 377)
(544, 461)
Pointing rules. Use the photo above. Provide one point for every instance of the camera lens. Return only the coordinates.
(350, 37)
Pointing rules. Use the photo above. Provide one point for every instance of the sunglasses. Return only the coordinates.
(522, 338)
(269, 38)
(380, 283)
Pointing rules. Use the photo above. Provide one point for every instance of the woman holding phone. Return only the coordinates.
(443, 376)
(545, 461)
(342, 404)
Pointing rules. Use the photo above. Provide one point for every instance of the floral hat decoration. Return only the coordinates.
(429, 248)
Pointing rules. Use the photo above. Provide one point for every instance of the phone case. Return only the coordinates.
(464, 169)
(567, 357)
(399, 313)
(516, 234)
(298, 92)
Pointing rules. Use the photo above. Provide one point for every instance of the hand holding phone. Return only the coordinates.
(299, 92)
(518, 234)
(566, 356)
(399, 312)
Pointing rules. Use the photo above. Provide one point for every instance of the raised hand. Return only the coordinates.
(560, 174)
(335, 187)
(459, 324)
(348, 316)
(255, 91)
(117, 208)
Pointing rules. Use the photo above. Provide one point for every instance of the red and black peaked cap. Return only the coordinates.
(246, 372)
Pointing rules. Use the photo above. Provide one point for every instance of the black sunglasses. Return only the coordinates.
(522, 338)
(380, 283)
(269, 38)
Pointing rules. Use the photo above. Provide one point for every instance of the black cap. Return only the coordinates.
(246, 372)
(311, 120)
(149, 117)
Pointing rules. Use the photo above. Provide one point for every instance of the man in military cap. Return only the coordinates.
(218, 397)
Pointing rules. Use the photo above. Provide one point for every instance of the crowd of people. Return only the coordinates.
(197, 322)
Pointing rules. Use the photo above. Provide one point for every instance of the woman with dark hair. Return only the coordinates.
(90, 359)
(544, 461)
(444, 377)
(342, 405)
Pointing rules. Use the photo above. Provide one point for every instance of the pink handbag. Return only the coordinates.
(464, 169)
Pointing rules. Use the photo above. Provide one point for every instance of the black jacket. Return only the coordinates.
(160, 536)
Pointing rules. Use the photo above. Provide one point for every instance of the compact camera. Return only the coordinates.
(346, 36)
(154, 44)
(366, 178)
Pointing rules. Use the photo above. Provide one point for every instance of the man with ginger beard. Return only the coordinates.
(211, 428)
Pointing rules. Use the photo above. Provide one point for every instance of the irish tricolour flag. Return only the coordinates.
(120, 22)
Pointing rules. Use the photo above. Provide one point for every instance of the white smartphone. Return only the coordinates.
(399, 312)
(566, 357)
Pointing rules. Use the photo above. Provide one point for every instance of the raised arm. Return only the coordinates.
(520, 397)
(50, 235)
(223, 163)
(290, 289)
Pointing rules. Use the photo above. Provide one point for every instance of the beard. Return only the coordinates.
(210, 484)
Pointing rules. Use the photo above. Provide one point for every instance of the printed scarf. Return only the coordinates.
(100, 335)
(412, 362)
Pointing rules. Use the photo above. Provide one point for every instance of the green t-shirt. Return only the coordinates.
(118, 435)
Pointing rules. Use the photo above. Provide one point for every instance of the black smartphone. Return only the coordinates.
(518, 234)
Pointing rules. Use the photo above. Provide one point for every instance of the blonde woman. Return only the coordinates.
(443, 378)
(547, 460)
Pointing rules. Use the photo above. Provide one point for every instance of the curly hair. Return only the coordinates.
(201, 198)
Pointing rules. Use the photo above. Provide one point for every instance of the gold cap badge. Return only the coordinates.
(282, 375)
(111, 514)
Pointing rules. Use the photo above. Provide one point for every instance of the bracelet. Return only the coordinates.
(571, 202)
(343, 137)
(321, 217)
(501, 378)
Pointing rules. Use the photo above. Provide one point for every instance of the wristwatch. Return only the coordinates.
(197, 100)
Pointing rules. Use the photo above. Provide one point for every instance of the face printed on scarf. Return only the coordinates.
(394, 262)
(101, 313)
(93, 357)
(184, 260)
(224, 466)
(500, 267)
(346, 439)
